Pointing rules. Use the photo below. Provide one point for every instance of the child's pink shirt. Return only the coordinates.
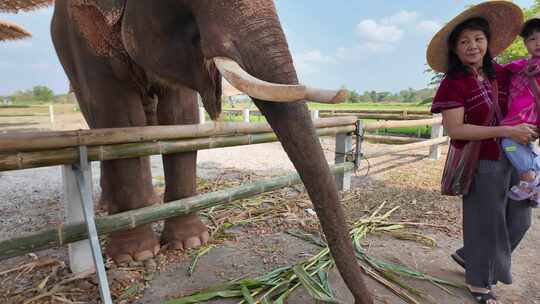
(522, 105)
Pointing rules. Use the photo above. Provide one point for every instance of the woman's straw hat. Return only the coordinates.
(14, 6)
(11, 31)
(505, 20)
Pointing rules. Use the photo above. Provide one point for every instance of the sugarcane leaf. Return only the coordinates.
(247, 295)
(307, 237)
(313, 287)
(202, 251)
(205, 296)
(323, 277)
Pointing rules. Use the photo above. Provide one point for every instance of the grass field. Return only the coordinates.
(423, 132)
(368, 106)
(25, 110)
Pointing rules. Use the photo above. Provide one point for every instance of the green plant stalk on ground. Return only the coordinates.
(277, 285)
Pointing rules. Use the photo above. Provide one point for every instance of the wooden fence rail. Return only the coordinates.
(98, 137)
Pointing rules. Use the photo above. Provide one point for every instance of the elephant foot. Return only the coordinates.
(185, 232)
(136, 244)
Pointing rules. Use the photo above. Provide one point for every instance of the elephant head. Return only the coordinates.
(194, 43)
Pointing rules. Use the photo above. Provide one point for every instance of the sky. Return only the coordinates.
(358, 44)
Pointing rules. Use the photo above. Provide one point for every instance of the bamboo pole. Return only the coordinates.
(99, 137)
(25, 160)
(391, 139)
(378, 116)
(65, 234)
(408, 147)
(399, 124)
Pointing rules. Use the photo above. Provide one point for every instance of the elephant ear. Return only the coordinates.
(112, 10)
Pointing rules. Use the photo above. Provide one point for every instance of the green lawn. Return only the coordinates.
(24, 110)
(368, 106)
(348, 106)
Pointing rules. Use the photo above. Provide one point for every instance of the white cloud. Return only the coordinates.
(378, 33)
(309, 62)
(428, 26)
(402, 17)
(316, 56)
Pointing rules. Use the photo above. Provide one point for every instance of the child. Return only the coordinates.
(524, 105)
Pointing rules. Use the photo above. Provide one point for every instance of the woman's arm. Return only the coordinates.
(457, 129)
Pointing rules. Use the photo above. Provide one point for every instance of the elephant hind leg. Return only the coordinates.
(178, 107)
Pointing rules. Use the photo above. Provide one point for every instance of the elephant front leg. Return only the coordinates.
(131, 188)
(178, 107)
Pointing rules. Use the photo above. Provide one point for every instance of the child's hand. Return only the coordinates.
(531, 70)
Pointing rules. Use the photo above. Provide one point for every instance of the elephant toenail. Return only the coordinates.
(144, 255)
(192, 242)
(205, 237)
(123, 259)
(177, 245)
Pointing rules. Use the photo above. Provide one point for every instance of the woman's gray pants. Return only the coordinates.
(493, 225)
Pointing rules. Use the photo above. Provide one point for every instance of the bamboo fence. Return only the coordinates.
(371, 126)
(98, 137)
(144, 141)
(65, 234)
(25, 160)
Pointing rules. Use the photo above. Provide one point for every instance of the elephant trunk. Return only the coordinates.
(269, 59)
(250, 33)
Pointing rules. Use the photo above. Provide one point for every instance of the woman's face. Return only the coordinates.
(471, 47)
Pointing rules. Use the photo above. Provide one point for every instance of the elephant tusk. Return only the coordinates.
(263, 90)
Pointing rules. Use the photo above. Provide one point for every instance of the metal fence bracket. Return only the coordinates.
(358, 149)
(88, 209)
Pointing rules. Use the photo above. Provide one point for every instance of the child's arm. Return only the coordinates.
(531, 71)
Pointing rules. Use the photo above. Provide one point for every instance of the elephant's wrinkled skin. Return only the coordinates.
(136, 63)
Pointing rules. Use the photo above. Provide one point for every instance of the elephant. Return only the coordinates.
(142, 62)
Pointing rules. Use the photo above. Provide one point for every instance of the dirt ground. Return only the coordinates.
(251, 237)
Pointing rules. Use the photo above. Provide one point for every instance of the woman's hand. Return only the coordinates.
(523, 133)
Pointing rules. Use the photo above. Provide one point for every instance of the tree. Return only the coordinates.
(42, 93)
(354, 97)
(408, 95)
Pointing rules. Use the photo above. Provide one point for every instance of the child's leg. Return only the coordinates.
(527, 164)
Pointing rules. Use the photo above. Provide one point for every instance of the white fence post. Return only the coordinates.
(80, 253)
(343, 148)
(314, 114)
(436, 132)
(202, 115)
(245, 115)
(51, 113)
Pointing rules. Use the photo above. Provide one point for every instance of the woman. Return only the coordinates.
(463, 49)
